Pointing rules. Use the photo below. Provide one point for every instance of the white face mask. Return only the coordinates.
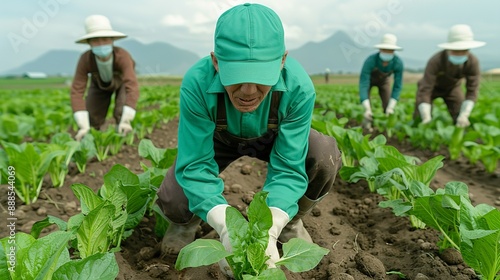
(386, 56)
(103, 51)
(457, 59)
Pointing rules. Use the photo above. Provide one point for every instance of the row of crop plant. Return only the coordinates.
(84, 246)
(49, 112)
(479, 143)
(404, 183)
(25, 128)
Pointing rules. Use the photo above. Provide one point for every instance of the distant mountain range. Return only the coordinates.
(339, 53)
(155, 58)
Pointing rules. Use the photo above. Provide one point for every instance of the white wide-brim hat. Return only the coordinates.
(461, 38)
(388, 42)
(98, 26)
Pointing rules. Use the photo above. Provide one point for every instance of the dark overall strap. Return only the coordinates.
(444, 62)
(221, 122)
(272, 122)
(381, 74)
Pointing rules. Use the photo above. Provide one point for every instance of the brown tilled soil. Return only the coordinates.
(365, 241)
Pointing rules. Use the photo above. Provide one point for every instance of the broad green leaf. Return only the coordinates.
(148, 151)
(426, 172)
(119, 174)
(75, 221)
(9, 249)
(88, 199)
(31, 165)
(168, 158)
(367, 170)
(399, 207)
(201, 252)
(5, 261)
(102, 266)
(50, 220)
(456, 143)
(43, 257)
(390, 152)
(237, 227)
(457, 188)
(272, 273)
(418, 189)
(152, 177)
(433, 212)
(480, 232)
(93, 233)
(160, 158)
(256, 256)
(260, 218)
(86, 150)
(134, 218)
(162, 223)
(346, 173)
(300, 255)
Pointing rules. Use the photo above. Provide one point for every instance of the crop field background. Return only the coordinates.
(411, 201)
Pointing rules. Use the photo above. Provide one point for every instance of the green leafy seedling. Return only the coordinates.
(249, 240)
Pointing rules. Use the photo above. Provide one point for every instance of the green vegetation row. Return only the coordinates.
(49, 112)
(35, 141)
(405, 184)
(479, 143)
(34, 136)
(84, 246)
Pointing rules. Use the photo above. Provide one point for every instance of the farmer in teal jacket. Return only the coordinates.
(376, 72)
(246, 98)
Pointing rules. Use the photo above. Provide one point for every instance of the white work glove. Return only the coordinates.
(390, 107)
(128, 116)
(280, 219)
(425, 112)
(216, 218)
(367, 115)
(83, 122)
(465, 110)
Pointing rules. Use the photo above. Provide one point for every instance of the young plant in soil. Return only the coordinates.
(249, 240)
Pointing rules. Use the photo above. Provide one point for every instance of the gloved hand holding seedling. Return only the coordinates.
(252, 246)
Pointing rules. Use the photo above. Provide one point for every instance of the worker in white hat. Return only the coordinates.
(376, 72)
(443, 78)
(111, 71)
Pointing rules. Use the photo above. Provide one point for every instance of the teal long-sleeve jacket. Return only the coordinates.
(395, 66)
(196, 169)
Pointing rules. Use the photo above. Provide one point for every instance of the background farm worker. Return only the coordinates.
(376, 72)
(111, 71)
(443, 78)
(246, 98)
(327, 75)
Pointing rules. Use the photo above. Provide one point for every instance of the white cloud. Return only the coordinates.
(174, 20)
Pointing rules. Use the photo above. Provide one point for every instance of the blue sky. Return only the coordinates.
(30, 28)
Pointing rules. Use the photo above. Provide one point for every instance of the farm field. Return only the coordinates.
(365, 240)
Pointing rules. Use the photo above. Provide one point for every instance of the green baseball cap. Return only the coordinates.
(249, 45)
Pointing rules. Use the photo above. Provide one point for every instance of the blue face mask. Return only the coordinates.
(457, 59)
(103, 51)
(386, 56)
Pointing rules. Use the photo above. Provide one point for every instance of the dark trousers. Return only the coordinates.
(323, 162)
(452, 98)
(98, 102)
(384, 91)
